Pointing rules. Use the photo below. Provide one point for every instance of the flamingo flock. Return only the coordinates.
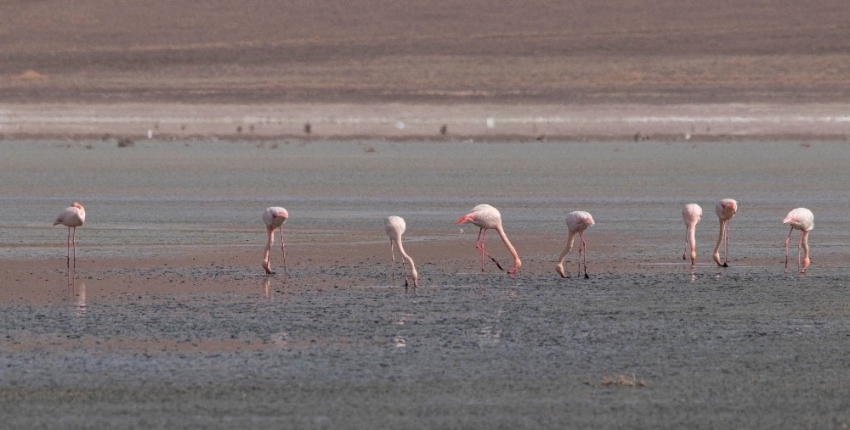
(486, 217)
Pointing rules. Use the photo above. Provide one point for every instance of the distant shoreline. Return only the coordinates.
(438, 122)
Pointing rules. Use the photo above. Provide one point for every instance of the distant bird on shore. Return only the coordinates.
(725, 209)
(691, 214)
(274, 217)
(395, 226)
(487, 217)
(800, 219)
(577, 223)
(72, 217)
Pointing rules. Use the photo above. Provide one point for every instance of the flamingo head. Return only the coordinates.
(465, 218)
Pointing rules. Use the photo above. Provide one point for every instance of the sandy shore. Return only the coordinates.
(427, 121)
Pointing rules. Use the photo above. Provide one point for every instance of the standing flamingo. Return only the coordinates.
(801, 219)
(726, 209)
(577, 223)
(72, 217)
(395, 226)
(487, 217)
(274, 217)
(691, 213)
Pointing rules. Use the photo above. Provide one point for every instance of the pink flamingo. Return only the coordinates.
(274, 217)
(691, 213)
(72, 217)
(577, 223)
(395, 226)
(801, 219)
(726, 209)
(487, 217)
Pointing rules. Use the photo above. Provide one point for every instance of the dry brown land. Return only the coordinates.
(458, 51)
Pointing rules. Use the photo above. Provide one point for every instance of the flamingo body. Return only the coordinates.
(800, 219)
(274, 217)
(691, 214)
(72, 217)
(394, 226)
(487, 217)
(577, 223)
(725, 209)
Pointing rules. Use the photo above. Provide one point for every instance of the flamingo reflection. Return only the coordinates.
(76, 293)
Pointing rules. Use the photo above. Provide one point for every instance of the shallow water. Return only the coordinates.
(164, 195)
(170, 345)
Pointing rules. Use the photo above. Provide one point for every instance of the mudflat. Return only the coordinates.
(168, 319)
(345, 113)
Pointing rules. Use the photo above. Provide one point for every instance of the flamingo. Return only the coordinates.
(577, 223)
(395, 226)
(487, 217)
(274, 217)
(72, 217)
(801, 219)
(726, 209)
(691, 213)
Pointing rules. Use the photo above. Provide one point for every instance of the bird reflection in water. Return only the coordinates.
(76, 293)
(269, 292)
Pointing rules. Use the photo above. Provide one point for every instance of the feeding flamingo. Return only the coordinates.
(801, 219)
(725, 209)
(72, 217)
(395, 226)
(487, 217)
(274, 217)
(577, 223)
(691, 214)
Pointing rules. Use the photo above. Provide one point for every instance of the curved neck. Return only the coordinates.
(510, 247)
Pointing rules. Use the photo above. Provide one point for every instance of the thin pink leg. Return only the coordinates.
(68, 254)
(283, 250)
(482, 237)
(786, 248)
(392, 250)
(74, 242)
(584, 256)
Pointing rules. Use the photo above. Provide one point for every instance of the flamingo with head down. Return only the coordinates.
(577, 223)
(691, 214)
(487, 217)
(800, 219)
(725, 209)
(395, 226)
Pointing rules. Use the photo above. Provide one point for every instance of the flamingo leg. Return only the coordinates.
(804, 242)
(267, 251)
(283, 250)
(580, 245)
(68, 255)
(584, 255)
(74, 243)
(392, 251)
(687, 244)
(786, 248)
(482, 237)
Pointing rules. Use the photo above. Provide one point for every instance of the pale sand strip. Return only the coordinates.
(399, 121)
